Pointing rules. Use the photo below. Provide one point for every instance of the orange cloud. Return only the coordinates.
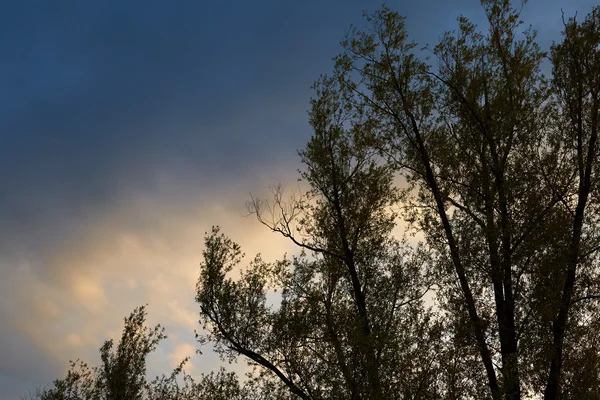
(146, 251)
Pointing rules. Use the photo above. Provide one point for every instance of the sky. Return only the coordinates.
(129, 128)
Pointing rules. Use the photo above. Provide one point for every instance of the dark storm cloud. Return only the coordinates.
(98, 96)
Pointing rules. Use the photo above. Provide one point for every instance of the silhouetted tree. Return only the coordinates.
(501, 165)
(122, 374)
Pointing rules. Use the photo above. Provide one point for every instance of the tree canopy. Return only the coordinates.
(495, 290)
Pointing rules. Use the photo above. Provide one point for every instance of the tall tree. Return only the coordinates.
(576, 80)
(500, 190)
(351, 319)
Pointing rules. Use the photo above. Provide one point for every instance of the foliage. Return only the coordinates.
(122, 374)
(500, 163)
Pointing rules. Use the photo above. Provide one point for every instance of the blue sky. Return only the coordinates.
(128, 128)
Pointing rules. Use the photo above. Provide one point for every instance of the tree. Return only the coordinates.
(352, 317)
(576, 81)
(501, 165)
(504, 197)
(122, 374)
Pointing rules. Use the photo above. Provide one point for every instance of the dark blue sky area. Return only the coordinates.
(97, 95)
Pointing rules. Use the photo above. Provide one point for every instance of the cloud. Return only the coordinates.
(183, 316)
(181, 352)
(146, 252)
